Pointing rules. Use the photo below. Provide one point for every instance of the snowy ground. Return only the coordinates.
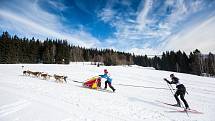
(26, 98)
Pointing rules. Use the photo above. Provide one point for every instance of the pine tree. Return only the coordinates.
(211, 64)
(4, 48)
(195, 62)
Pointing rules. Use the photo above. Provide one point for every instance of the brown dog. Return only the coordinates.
(36, 74)
(28, 72)
(45, 76)
(60, 78)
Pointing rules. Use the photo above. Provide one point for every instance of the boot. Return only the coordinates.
(187, 108)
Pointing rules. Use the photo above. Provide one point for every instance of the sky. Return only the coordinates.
(135, 26)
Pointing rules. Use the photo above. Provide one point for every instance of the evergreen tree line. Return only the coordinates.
(23, 50)
(195, 63)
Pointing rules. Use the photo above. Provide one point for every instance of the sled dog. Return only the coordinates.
(60, 78)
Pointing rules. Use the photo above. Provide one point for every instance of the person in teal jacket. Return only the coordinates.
(108, 80)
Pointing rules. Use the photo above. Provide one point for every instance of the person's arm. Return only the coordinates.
(102, 76)
(174, 80)
(167, 81)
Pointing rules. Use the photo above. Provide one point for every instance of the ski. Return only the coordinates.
(105, 90)
(171, 104)
(182, 111)
(168, 104)
(185, 111)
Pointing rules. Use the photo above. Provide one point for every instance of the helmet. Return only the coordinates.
(171, 75)
(105, 71)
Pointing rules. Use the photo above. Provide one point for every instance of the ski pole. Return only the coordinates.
(170, 88)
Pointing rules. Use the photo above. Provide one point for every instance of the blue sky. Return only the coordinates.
(139, 26)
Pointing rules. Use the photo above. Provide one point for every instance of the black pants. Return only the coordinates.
(181, 90)
(109, 83)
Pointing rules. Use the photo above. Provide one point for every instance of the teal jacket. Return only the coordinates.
(107, 77)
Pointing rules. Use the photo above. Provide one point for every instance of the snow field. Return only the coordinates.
(25, 98)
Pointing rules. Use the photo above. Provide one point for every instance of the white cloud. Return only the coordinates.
(126, 2)
(58, 5)
(29, 20)
(142, 17)
(196, 5)
(200, 37)
(107, 14)
(27, 23)
(144, 51)
(132, 34)
(180, 11)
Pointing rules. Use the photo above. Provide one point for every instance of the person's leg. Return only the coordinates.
(106, 84)
(184, 101)
(109, 83)
(176, 97)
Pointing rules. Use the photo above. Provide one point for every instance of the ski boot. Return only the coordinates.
(187, 108)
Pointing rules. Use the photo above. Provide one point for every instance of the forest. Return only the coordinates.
(14, 50)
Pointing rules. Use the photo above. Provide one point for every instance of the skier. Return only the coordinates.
(108, 80)
(181, 90)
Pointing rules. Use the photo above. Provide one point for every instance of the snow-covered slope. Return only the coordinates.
(27, 98)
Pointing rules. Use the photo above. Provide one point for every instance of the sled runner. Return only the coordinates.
(99, 89)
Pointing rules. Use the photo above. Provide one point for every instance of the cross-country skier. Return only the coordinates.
(181, 90)
(108, 80)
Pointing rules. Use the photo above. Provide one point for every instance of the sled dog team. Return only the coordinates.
(180, 88)
(45, 76)
(58, 78)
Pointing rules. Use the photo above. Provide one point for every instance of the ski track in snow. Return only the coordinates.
(25, 98)
(12, 108)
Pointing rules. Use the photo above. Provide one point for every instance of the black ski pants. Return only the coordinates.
(181, 90)
(109, 84)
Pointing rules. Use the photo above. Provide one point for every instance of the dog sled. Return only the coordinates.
(93, 83)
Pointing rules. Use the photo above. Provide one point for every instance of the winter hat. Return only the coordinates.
(105, 71)
(171, 75)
